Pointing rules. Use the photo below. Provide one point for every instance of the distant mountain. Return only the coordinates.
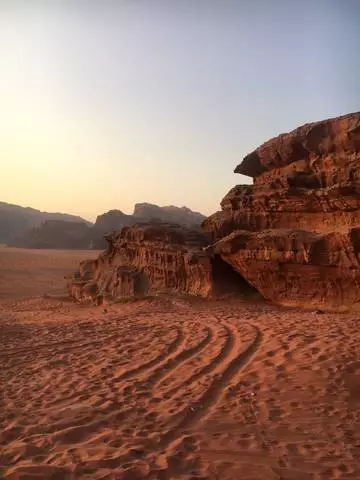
(112, 220)
(60, 234)
(75, 233)
(181, 215)
(15, 221)
(143, 213)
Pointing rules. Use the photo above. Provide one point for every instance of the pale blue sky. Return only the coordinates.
(108, 103)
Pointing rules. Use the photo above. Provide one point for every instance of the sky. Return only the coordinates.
(107, 103)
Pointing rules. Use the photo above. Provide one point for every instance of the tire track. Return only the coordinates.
(225, 351)
(167, 369)
(169, 350)
(211, 396)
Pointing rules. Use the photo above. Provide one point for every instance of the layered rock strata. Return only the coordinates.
(295, 267)
(308, 178)
(145, 259)
(294, 235)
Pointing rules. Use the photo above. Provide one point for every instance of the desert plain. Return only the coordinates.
(170, 387)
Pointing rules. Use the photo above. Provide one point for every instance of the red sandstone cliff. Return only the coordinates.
(295, 267)
(294, 234)
(308, 178)
(291, 234)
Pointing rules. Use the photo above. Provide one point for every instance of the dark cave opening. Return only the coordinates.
(228, 281)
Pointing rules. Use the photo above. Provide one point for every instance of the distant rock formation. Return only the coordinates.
(108, 222)
(112, 220)
(48, 234)
(57, 234)
(15, 221)
(184, 216)
(294, 235)
(143, 213)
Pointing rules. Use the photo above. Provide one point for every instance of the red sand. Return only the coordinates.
(171, 388)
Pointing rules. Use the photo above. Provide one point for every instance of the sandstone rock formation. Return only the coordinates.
(296, 267)
(308, 178)
(294, 235)
(144, 259)
(147, 258)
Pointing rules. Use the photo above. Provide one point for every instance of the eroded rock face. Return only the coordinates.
(143, 260)
(295, 267)
(294, 233)
(308, 178)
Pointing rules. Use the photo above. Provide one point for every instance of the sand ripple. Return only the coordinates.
(177, 389)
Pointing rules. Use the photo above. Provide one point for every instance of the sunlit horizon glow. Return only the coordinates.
(117, 103)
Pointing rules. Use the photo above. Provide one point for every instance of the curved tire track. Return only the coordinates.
(221, 357)
(167, 369)
(170, 349)
(212, 395)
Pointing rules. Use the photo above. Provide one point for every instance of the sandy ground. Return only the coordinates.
(170, 388)
(25, 273)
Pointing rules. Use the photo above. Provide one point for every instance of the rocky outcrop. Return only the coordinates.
(295, 267)
(145, 259)
(294, 235)
(308, 178)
